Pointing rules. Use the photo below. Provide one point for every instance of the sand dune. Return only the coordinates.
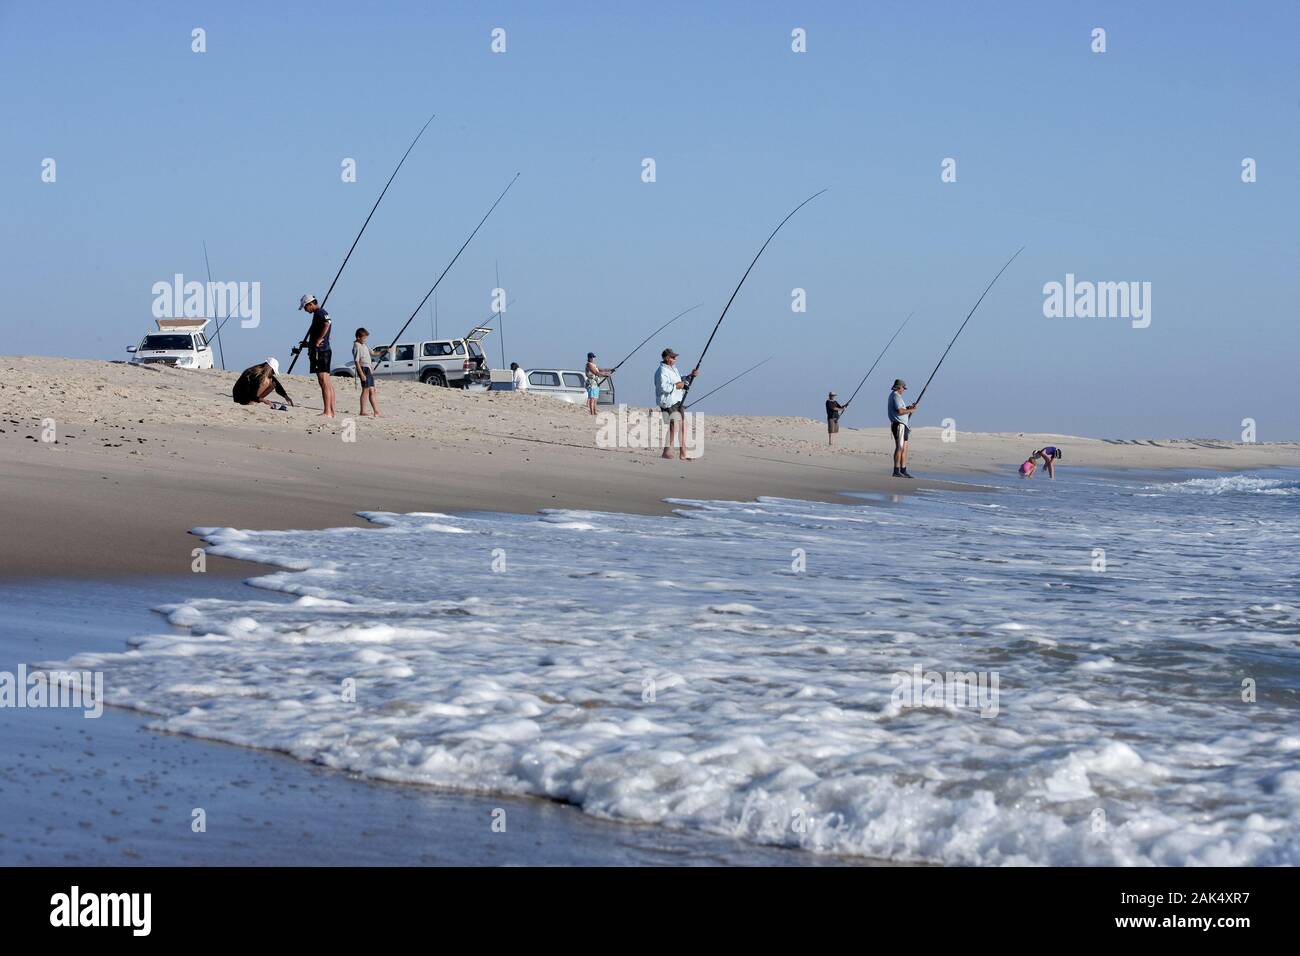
(143, 454)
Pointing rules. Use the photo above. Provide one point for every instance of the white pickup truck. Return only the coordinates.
(567, 385)
(180, 343)
(457, 363)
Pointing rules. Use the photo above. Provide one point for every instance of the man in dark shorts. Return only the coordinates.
(318, 350)
(899, 429)
(833, 409)
(257, 382)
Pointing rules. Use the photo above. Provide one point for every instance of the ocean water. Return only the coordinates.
(1096, 670)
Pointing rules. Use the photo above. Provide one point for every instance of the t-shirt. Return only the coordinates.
(521, 380)
(361, 354)
(896, 406)
(319, 320)
(833, 409)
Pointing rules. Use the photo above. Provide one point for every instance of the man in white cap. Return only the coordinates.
(318, 350)
(257, 382)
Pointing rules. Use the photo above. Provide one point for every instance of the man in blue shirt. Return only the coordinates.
(899, 412)
(318, 350)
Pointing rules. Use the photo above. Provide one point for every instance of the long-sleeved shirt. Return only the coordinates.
(666, 380)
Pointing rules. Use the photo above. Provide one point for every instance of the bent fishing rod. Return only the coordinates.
(208, 265)
(963, 325)
(653, 334)
(297, 351)
(390, 349)
(690, 380)
(728, 382)
(876, 362)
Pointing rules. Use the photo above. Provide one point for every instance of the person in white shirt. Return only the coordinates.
(668, 396)
(521, 380)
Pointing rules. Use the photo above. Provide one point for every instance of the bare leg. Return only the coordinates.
(668, 448)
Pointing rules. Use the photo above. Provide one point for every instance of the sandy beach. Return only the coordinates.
(143, 454)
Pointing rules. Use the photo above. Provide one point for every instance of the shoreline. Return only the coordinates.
(143, 455)
(263, 807)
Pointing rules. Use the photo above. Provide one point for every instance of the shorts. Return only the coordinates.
(369, 380)
(593, 391)
(319, 360)
(901, 433)
(833, 425)
(672, 414)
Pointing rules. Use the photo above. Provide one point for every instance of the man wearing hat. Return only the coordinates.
(899, 411)
(833, 409)
(318, 350)
(594, 375)
(669, 389)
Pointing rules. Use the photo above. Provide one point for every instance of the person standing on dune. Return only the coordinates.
(594, 374)
(318, 350)
(833, 409)
(669, 389)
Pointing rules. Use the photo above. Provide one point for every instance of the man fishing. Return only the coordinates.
(318, 350)
(899, 412)
(257, 382)
(593, 376)
(670, 389)
(833, 409)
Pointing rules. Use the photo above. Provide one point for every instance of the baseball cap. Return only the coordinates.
(303, 302)
(899, 383)
(274, 363)
(667, 352)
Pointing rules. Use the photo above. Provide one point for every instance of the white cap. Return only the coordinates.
(302, 303)
(275, 365)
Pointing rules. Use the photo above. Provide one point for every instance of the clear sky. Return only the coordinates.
(1115, 166)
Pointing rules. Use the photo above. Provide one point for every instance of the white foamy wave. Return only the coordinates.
(740, 671)
(1231, 484)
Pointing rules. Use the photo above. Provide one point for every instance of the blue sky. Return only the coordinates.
(1122, 166)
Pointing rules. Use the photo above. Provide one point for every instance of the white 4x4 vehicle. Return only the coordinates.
(458, 363)
(179, 343)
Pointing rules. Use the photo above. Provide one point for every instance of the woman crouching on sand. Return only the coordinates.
(365, 371)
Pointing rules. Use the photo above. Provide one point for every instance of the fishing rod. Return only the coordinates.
(450, 264)
(728, 382)
(653, 334)
(297, 351)
(876, 362)
(208, 265)
(963, 325)
(690, 380)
